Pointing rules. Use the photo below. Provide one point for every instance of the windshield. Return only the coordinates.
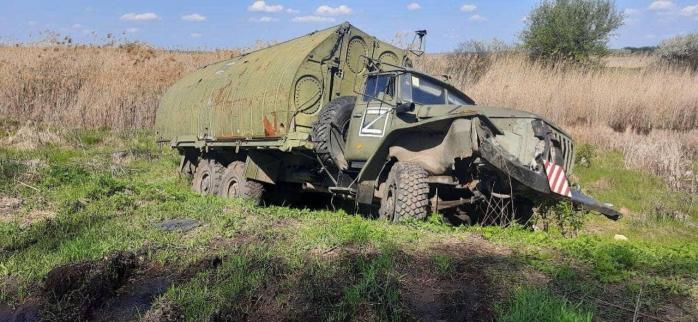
(380, 87)
(421, 90)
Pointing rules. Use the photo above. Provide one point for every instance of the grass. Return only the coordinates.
(304, 264)
(534, 304)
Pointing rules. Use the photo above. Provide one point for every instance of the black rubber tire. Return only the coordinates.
(207, 177)
(330, 129)
(234, 184)
(406, 193)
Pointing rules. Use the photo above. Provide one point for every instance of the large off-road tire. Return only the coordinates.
(330, 131)
(234, 184)
(207, 177)
(406, 193)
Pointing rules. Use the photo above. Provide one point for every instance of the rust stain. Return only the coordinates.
(269, 129)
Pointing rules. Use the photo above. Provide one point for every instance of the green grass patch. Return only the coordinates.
(326, 265)
(608, 180)
(536, 304)
(444, 264)
(226, 292)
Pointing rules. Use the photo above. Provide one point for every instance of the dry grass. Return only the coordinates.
(646, 110)
(652, 110)
(91, 86)
(642, 99)
(665, 153)
(640, 60)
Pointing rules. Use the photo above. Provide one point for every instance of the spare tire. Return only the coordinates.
(330, 131)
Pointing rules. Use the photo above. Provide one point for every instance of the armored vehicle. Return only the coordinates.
(340, 112)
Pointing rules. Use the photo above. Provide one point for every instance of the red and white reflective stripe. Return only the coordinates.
(557, 179)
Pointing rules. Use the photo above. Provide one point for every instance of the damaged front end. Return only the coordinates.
(504, 144)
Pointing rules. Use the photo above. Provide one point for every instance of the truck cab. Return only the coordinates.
(392, 100)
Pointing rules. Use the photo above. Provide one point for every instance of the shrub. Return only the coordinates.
(681, 50)
(585, 153)
(570, 30)
(473, 58)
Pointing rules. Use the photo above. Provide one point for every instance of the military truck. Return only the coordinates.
(338, 111)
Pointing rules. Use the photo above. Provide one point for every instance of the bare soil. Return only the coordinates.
(122, 287)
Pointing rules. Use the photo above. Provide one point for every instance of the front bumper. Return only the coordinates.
(536, 181)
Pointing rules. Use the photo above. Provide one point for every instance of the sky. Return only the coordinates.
(211, 24)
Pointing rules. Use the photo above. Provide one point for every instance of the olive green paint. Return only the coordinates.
(272, 92)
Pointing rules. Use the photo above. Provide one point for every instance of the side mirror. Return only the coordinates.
(404, 107)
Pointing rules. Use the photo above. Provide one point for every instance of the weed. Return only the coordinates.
(536, 304)
(444, 264)
(584, 154)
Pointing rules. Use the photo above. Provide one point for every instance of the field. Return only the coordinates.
(97, 225)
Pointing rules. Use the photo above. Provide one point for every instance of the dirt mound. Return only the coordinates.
(29, 137)
(72, 291)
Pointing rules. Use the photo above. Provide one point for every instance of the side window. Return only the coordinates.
(456, 99)
(426, 92)
(406, 88)
(379, 87)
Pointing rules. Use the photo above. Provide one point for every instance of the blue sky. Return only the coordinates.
(209, 24)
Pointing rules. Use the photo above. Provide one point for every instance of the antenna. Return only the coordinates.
(418, 50)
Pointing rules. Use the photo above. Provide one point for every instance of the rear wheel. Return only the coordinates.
(406, 193)
(207, 177)
(330, 130)
(234, 184)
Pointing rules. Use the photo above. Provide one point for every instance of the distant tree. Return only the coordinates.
(681, 50)
(641, 50)
(572, 30)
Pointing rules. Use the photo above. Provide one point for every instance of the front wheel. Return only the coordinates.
(406, 193)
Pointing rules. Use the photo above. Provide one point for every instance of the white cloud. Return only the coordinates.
(262, 6)
(292, 11)
(132, 30)
(468, 7)
(312, 19)
(146, 16)
(329, 11)
(477, 18)
(690, 11)
(194, 17)
(661, 5)
(414, 6)
(77, 26)
(630, 12)
(31, 23)
(195, 35)
(264, 19)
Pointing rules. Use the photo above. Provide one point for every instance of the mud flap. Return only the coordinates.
(590, 203)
